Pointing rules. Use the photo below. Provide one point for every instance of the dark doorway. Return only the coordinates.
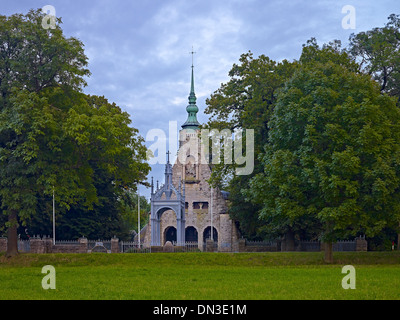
(170, 234)
(207, 234)
(191, 234)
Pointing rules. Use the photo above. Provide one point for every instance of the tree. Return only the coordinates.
(333, 151)
(245, 102)
(129, 211)
(31, 59)
(51, 134)
(378, 52)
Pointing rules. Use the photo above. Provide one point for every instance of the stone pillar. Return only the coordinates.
(115, 245)
(155, 232)
(83, 245)
(48, 244)
(180, 232)
(361, 244)
(242, 245)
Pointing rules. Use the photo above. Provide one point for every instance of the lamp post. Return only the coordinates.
(211, 211)
(138, 202)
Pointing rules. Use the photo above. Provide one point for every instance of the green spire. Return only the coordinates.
(192, 109)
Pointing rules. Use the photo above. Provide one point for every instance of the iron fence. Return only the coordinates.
(99, 245)
(24, 245)
(345, 245)
(189, 246)
(133, 247)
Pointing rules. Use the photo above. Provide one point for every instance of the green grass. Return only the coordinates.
(296, 275)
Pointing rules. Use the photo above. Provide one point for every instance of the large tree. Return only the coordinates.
(246, 101)
(52, 136)
(378, 52)
(333, 153)
(32, 59)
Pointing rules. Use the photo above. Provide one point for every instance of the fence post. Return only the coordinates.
(48, 244)
(242, 245)
(83, 245)
(361, 244)
(115, 245)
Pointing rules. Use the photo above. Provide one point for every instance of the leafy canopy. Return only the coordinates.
(333, 151)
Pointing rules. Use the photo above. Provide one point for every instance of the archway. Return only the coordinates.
(167, 197)
(207, 234)
(170, 234)
(191, 234)
(158, 237)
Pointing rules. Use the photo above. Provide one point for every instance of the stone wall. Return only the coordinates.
(243, 246)
(39, 245)
(45, 245)
(359, 244)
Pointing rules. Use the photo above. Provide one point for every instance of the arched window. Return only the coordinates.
(207, 234)
(170, 234)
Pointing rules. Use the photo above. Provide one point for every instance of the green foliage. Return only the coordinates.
(333, 151)
(129, 210)
(246, 102)
(52, 136)
(326, 139)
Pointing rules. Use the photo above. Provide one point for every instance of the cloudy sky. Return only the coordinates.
(138, 50)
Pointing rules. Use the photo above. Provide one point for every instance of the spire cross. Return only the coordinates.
(192, 53)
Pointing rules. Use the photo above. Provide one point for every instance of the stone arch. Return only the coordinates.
(161, 210)
(158, 236)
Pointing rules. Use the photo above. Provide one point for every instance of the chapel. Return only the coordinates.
(185, 208)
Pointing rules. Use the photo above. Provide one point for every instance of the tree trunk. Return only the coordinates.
(328, 252)
(289, 239)
(12, 237)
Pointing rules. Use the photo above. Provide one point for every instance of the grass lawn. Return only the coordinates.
(222, 276)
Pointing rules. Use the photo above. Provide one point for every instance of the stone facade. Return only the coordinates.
(201, 202)
(205, 209)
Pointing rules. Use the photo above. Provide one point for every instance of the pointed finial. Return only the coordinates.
(168, 153)
(192, 109)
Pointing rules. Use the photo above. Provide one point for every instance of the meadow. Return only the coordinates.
(200, 276)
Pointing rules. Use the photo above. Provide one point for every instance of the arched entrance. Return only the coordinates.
(191, 234)
(167, 197)
(176, 234)
(170, 234)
